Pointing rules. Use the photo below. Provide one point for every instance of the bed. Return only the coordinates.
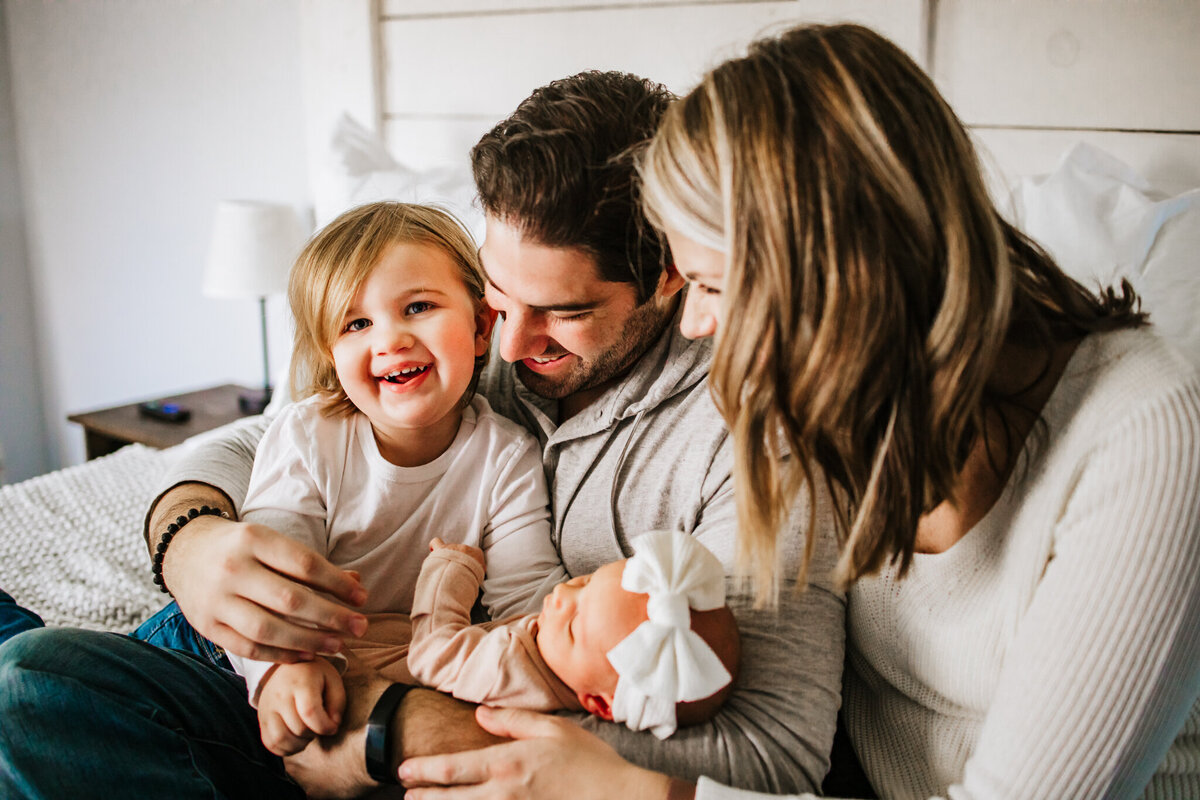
(1087, 118)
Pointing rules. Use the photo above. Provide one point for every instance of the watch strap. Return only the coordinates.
(379, 726)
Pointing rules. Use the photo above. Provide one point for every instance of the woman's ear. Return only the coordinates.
(485, 319)
(597, 704)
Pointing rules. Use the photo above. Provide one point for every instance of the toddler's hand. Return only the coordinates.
(473, 552)
(298, 702)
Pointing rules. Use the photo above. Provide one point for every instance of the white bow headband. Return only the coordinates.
(664, 662)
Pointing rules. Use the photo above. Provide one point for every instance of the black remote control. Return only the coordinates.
(167, 412)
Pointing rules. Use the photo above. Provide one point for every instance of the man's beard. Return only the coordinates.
(642, 329)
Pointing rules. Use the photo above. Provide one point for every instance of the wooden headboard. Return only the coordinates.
(1029, 77)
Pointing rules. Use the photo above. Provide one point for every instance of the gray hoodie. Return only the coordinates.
(653, 453)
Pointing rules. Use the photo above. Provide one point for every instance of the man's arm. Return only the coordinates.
(246, 587)
(426, 723)
(213, 469)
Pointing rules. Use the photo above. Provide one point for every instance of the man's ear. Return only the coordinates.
(670, 282)
(598, 704)
(485, 319)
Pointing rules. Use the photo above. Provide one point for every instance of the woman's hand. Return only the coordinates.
(256, 592)
(553, 757)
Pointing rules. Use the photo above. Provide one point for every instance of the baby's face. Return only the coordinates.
(581, 621)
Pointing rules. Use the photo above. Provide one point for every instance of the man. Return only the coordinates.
(593, 363)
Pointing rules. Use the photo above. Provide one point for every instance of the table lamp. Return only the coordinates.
(252, 249)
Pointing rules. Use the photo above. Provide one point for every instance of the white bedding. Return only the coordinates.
(71, 543)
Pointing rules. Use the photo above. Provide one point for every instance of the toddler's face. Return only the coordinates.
(581, 621)
(406, 351)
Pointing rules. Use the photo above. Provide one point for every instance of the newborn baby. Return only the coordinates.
(647, 641)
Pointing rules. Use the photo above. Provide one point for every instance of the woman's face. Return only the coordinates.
(704, 270)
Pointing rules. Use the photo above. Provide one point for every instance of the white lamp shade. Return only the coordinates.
(252, 249)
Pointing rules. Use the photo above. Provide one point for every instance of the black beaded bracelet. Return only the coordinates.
(160, 552)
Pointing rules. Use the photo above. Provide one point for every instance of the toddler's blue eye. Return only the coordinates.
(417, 307)
(357, 325)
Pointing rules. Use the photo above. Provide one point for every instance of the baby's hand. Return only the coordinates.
(298, 702)
(473, 552)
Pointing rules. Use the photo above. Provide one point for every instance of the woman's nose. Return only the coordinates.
(698, 320)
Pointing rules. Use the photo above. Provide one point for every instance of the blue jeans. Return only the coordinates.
(167, 628)
(87, 714)
(15, 618)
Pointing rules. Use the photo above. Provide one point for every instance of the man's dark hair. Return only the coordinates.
(562, 169)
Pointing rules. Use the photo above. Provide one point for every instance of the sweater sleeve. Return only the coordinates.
(480, 664)
(775, 732)
(1106, 663)
(221, 458)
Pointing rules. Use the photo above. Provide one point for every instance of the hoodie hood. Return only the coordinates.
(640, 457)
(673, 364)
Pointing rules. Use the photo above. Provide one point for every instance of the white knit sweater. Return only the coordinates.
(1053, 652)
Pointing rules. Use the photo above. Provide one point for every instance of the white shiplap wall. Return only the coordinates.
(1031, 77)
(451, 70)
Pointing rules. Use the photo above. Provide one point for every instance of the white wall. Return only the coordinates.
(22, 434)
(132, 120)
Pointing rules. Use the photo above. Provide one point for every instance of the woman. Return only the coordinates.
(1017, 462)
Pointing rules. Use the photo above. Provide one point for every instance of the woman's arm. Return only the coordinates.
(1106, 664)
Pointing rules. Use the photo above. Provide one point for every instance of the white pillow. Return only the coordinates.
(364, 171)
(1103, 222)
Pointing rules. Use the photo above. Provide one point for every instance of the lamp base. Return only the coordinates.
(254, 401)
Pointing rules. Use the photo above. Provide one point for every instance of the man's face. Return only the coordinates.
(567, 330)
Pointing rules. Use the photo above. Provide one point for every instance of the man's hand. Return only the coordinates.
(474, 552)
(251, 589)
(297, 703)
(426, 722)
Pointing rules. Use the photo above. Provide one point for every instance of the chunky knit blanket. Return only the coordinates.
(71, 545)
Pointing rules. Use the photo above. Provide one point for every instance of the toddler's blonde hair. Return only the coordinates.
(332, 267)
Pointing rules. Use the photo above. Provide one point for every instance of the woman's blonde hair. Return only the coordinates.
(332, 267)
(873, 279)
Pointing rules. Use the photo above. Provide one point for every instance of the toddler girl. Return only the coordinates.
(391, 446)
(647, 641)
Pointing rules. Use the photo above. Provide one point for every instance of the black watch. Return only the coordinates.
(379, 727)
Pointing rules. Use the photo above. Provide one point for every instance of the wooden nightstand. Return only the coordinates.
(109, 429)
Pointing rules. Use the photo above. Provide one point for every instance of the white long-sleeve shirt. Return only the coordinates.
(321, 480)
(1054, 651)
